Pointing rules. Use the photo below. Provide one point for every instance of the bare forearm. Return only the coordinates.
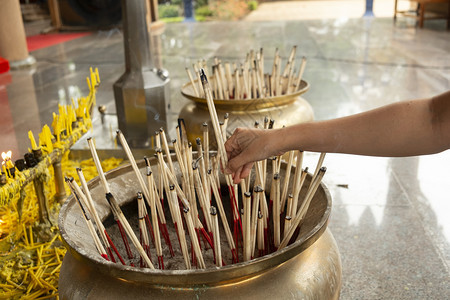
(400, 129)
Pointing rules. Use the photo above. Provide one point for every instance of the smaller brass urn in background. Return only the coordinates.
(285, 110)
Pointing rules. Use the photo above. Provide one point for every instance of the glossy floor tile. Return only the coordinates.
(390, 216)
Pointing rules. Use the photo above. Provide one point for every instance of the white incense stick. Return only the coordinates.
(223, 216)
(206, 145)
(91, 208)
(115, 206)
(193, 236)
(216, 236)
(76, 191)
(297, 184)
(166, 149)
(191, 79)
(276, 210)
(287, 176)
(153, 209)
(300, 74)
(318, 166)
(133, 163)
(288, 214)
(214, 119)
(246, 226)
(202, 198)
(260, 234)
(254, 218)
(205, 181)
(299, 217)
(181, 233)
(140, 178)
(142, 227)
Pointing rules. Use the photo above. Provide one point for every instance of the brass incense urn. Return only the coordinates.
(309, 268)
(285, 110)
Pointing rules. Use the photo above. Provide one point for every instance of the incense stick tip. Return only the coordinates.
(195, 163)
(203, 76)
(109, 197)
(258, 189)
(213, 211)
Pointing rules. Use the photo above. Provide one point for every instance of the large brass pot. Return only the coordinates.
(310, 268)
(285, 110)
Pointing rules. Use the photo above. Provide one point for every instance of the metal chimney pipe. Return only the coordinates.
(141, 93)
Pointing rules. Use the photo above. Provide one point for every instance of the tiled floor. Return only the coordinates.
(390, 215)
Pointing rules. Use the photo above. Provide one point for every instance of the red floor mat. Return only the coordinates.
(39, 41)
(4, 65)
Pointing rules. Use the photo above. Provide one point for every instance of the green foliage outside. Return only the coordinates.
(200, 3)
(168, 11)
(172, 11)
(204, 11)
(177, 2)
(173, 20)
(252, 5)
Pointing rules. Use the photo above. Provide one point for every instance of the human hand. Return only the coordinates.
(246, 146)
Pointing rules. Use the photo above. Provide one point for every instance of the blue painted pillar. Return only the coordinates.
(188, 11)
(369, 9)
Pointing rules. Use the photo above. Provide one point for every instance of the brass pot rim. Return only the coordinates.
(245, 104)
(193, 277)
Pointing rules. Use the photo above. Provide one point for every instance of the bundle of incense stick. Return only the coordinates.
(247, 80)
(268, 215)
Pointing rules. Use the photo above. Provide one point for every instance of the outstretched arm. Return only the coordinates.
(401, 129)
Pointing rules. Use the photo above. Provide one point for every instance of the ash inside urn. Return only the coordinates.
(130, 210)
